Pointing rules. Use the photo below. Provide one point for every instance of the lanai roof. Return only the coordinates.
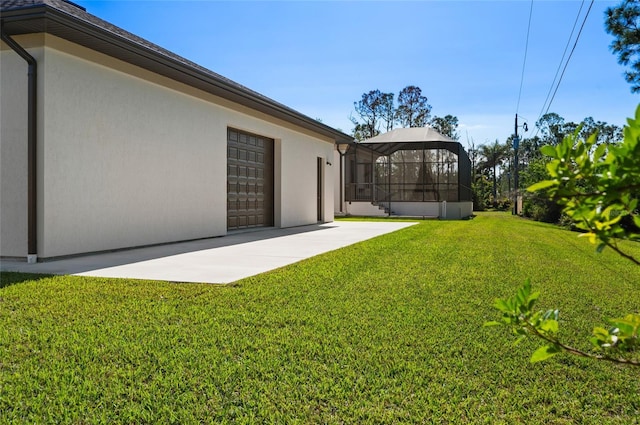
(70, 21)
(411, 138)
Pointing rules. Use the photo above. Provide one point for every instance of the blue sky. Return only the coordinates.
(466, 56)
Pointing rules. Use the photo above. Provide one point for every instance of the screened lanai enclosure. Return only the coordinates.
(409, 172)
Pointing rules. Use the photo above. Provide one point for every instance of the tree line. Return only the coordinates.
(378, 111)
(492, 164)
(494, 169)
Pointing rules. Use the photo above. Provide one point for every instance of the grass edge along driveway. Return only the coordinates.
(385, 331)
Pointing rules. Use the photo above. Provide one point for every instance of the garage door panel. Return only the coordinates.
(249, 180)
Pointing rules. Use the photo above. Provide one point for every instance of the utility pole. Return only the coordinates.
(516, 144)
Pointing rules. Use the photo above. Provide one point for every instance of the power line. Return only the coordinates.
(566, 63)
(555, 77)
(566, 47)
(524, 62)
(570, 54)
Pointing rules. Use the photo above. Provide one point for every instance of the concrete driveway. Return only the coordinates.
(216, 260)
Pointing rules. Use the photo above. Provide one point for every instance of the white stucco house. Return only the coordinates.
(109, 141)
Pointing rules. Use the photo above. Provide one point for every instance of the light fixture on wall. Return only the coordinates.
(342, 148)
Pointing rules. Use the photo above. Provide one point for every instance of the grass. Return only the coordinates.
(384, 331)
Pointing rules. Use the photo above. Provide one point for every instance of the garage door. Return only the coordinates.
(249, 180)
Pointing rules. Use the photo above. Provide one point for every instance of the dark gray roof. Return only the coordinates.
(70, 21)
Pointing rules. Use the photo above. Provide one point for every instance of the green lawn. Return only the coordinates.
(384, 331)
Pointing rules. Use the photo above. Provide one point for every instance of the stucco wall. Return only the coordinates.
(129, 158)
(366, 209)
(13, 155)
(452, 210)
(299, 166)
(13, 147)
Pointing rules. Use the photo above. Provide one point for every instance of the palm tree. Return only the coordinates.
(493, 156)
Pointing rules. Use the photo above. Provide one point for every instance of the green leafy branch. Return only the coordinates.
(617, 344)
(598, 187)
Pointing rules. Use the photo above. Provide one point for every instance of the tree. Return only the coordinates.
(553, 129)
(608, 133)
(623, 22)
(387, 110)
(447, 126)
(493, 156)
(480, 195)
(530, 150)
(413, 109)
(598, 186)
(360, 132)
(605, 133)
(376, 110)
(551, 126)
(371, 109)
(482, 191)
(472, 151)
(535, 205)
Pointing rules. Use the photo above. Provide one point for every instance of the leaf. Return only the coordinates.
(519, 340)
(600, 337)
(532, 299)
(521, 297)
(623, 326)
(550, 326)
(593, 238)
(600, 150)
(551, 314)
(633, 319)
(542, 185)
(543, 353)
(549, 151)
(502, 305)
